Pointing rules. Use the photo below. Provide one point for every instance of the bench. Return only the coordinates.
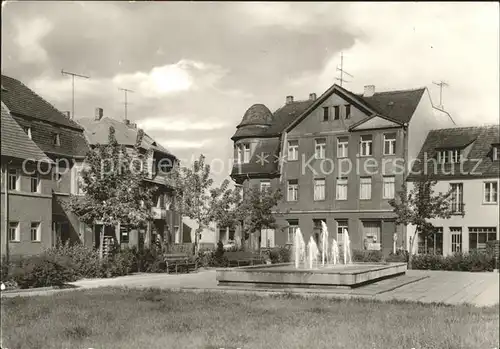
(178, 262)
(239, 259)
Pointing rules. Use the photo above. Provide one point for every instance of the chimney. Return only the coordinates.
(289, 99)
(312, 96)
(68, 114)
(134, 125)
(369, 91)
(98, 114)
(127, 122)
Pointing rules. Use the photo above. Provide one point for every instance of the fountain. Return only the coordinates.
(306, 271)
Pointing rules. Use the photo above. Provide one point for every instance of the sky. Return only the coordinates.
(195, 68)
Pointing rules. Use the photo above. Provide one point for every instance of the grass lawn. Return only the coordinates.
(110, 318)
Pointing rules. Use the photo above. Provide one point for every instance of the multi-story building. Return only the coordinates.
(61, 140)
(338, 158)
(26, 195)
(167, 224)
(467, 162)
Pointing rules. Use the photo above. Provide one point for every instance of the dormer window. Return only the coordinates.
(347, 111)
(449, 156)
(337, 112)
(56, 140)
(495, 152)
(27, 129)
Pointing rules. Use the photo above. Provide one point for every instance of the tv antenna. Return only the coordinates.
(342, 71)
(441, 84)
(73, 88)
(125, 91)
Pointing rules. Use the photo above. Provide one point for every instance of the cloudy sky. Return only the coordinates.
(196, 67)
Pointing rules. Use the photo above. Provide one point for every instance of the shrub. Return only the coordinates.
(473, 261)
(42, 271)
(367, 256)
(400, 256)
(280, 255)
(85, 261)
(121, 263)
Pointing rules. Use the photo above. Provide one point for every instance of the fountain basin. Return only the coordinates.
(330, 276)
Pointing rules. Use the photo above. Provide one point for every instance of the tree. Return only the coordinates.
(419, 206)
(255, 211)
(195, 198)
(114, 187)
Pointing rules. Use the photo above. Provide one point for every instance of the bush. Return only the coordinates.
(85, 262)
(367, 256)
(121, 263)
(42, 271)
(474, 261)
(280, 255)
(400, 256)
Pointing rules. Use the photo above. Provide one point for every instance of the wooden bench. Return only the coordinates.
(178, 262)
(245, 261)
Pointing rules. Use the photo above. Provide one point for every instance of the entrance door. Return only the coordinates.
(371, 235)
(267, 238)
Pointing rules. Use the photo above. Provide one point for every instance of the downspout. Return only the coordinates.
(405, 176)
(6, 190)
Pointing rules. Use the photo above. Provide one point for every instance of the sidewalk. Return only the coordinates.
(479, 289)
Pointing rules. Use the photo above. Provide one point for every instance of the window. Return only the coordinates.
(457, 197)
(490, 192)
(366, 145)
(177, 234)
(14, 231)
(371, 235)
(239, 155)
(326, 113)
(337, 112)
(317, 227)
(456, 239)
(35, 231)
(77, 186)
(13, 179)
(365, 188)
(293, 190)
(478, 237)
(342, 146)
(27, 129)
(342, 188)
(293, 225)
(35, 183)
(293, 150)
(496, 150)
(390, 144)
(388, 187)
(165, 165)
(124, 234)
(319, 189)
(265, 185)
(320, 148)
(347, 111)
(449, 156)
(56, 140)
(432, 243)
(246, 153)
(267, 238)
(341, 226)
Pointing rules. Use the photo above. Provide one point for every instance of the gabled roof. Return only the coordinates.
(97, 132)
(22, 101)
(16, 143)
(389, 122)
(478, 162)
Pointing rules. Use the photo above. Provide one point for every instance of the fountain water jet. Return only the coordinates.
(324, 242)
(347, 247)
(299, 247)
(335, 252)
(313, 252)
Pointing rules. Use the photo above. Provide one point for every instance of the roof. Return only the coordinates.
(16, 143)
(257, 114)
(281, 118)
(398, 105)
(478, 162)
(97, 132)
(22, 101)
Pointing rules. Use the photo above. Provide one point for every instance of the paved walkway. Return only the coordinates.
(480, 289)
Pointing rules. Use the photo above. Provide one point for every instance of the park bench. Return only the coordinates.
(239, 259)
(178, 262)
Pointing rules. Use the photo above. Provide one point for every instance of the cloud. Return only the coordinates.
(180, 123)
(413, 44)
(183, 144)
(29, 33)
(182, 76)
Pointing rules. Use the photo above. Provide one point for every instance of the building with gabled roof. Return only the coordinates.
(167, 224)
(62, 140)
(465, 160)
(317, 150)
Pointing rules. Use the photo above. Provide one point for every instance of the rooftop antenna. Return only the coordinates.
(342, 71)
(441, 84)
(126, 102)
(73, 88)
